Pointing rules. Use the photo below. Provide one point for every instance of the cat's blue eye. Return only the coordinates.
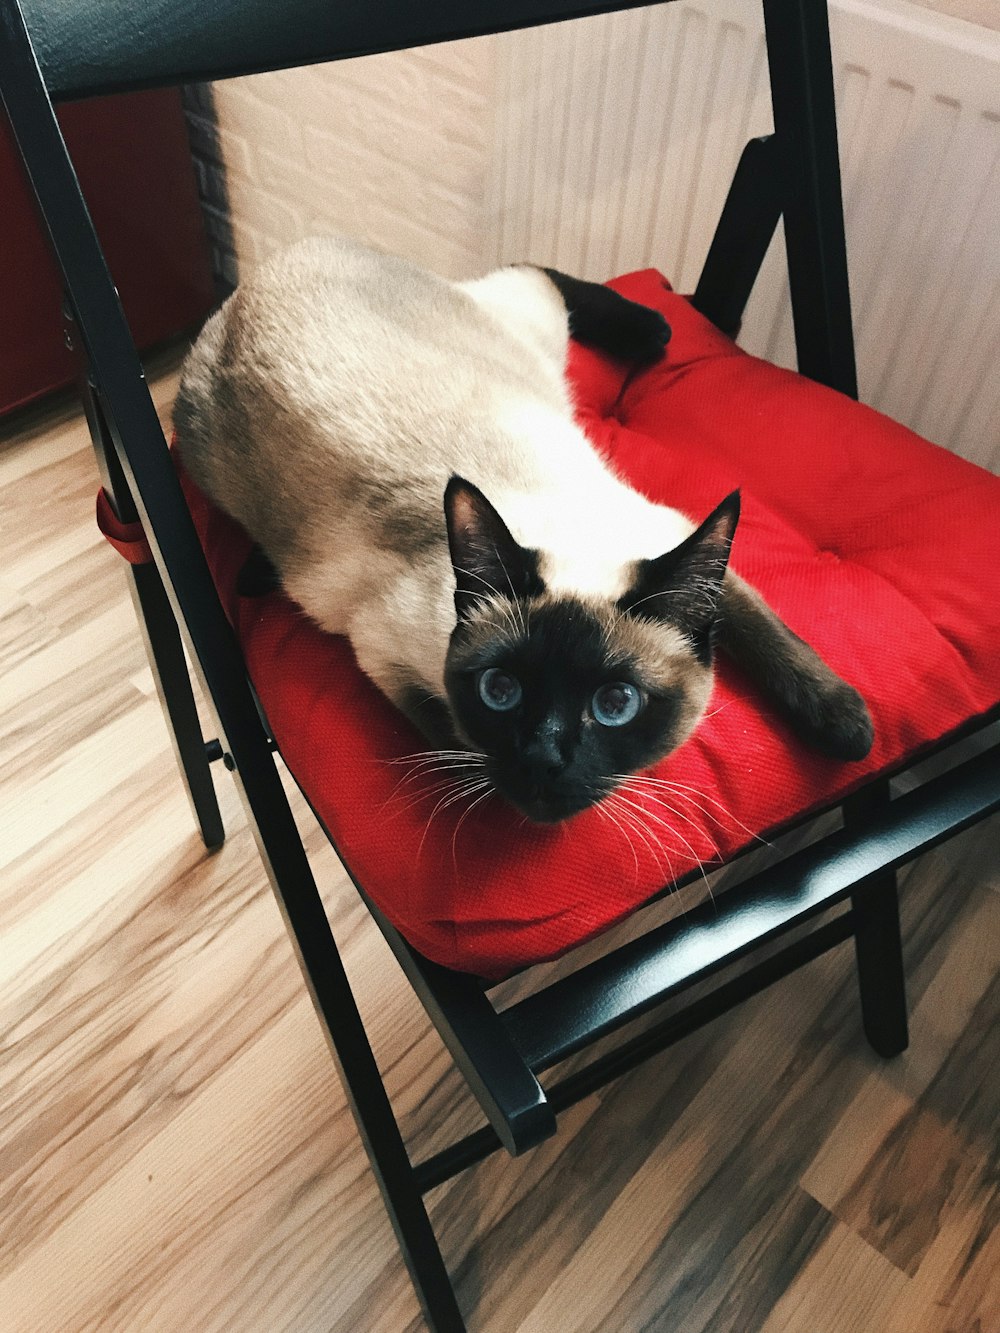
(499, 690)
(616, 704)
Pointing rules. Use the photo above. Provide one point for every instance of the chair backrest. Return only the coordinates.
(85, 47)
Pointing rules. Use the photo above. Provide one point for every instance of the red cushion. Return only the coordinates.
(876, 547)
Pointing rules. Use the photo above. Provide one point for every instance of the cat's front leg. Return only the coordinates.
(259, 576)
(821, 707)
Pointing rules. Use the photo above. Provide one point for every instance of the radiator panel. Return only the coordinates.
(617, 138)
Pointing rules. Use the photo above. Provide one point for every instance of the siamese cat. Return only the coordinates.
(402, 450)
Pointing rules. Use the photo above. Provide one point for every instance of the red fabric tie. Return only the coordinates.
(128, 539)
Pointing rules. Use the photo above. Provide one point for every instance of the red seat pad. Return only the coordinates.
(876, 547)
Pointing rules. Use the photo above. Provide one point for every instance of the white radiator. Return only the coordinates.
(617, 138)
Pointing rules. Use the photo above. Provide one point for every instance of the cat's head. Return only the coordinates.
(566, 696)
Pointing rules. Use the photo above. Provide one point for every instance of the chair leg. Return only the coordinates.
(161, 637)
(881, 978)
(878, 943)
(397, 1182)
(329, 988)
(165, 652)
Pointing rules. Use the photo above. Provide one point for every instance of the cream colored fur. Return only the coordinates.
(326, 405)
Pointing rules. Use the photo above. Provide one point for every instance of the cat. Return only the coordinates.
(402, 449)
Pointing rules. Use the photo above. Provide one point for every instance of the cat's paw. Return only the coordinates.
(601, 317)
(635, 333)
(837, 722)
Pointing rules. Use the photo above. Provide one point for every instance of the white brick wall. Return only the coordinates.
(399, 149)
(392, 148)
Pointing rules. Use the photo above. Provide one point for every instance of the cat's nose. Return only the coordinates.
(543, 756)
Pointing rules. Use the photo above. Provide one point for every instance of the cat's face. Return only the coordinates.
(567, 696)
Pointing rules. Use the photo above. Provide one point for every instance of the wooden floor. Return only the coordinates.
(175, 1150)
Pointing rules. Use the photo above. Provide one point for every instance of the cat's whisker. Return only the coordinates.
(722, 708)
(437, 780)
(432, 783)
(466, 788)
(630, 810)
(685, 789)
(423, 757)
(675, 833)
(658, 800)
(435, 753)
(661, 857)
(608, 817)
(436, 790)
(682, 790)
(490, 791)
(466, 791)
(435, 766)
(434, 762)
(615, 802)
(609, 809)
(670, 871)
(454, 760)
(698, 861)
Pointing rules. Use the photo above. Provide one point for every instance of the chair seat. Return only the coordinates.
(875, 546)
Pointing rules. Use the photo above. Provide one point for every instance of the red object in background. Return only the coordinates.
(133, 161)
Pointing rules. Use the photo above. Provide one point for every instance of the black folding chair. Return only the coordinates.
(79, 48)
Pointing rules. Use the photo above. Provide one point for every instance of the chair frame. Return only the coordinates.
(792, 173)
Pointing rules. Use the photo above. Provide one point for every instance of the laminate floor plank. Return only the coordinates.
(177, 1155)
(844, 1284)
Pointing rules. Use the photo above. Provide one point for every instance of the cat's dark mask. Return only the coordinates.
(566, 696)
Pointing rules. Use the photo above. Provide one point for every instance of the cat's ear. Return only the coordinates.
(684, 586)
(487, 560)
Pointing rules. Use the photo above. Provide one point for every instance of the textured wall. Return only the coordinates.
(392, 148)
(608, 144)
